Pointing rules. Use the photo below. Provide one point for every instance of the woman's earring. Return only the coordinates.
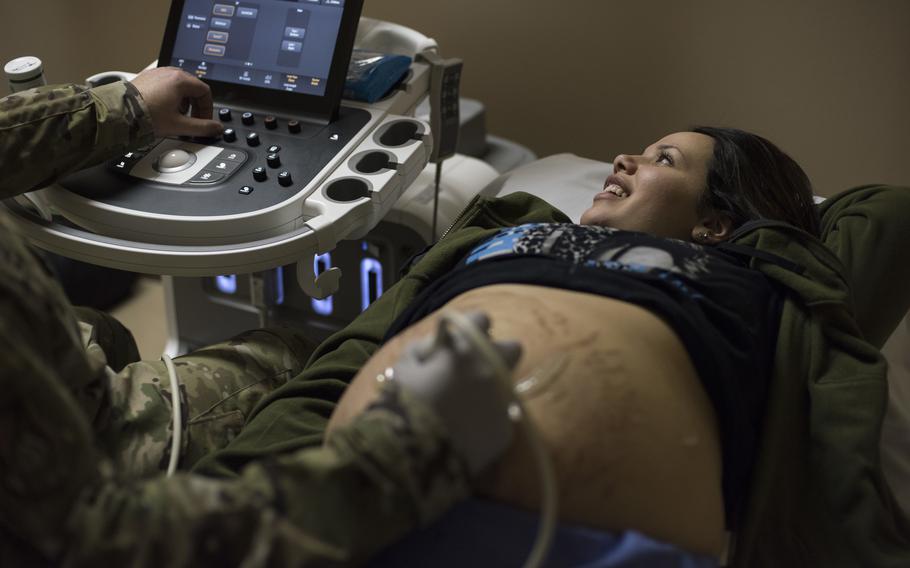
(703, 236)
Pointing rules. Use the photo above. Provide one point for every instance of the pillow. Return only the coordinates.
(565, 181)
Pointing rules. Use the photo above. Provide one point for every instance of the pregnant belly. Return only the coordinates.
(618, 403)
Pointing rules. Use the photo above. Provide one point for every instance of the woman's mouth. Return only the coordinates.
(612, 191)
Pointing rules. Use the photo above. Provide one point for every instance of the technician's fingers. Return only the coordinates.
(480, 320)
(510, 351)
(168, 92)
(420, 349)
(203, 107)
(200, 96)
(190, 126)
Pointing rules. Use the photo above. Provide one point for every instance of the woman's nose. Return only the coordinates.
(624, 163)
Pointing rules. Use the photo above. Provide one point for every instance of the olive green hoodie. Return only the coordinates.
(818, 496)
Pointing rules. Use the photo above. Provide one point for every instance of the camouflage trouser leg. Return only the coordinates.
(218, 387)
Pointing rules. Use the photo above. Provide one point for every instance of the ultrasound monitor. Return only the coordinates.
(288, 54)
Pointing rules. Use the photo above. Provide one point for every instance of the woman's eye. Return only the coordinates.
(665, 158)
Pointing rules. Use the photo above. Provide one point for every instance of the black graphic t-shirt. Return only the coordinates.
(725, 313)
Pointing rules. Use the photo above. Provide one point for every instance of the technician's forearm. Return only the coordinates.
(48, 132)
(387, 473)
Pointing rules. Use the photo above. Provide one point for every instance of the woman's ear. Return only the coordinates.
(712, 229)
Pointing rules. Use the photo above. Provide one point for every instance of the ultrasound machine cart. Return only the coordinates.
(290, 192)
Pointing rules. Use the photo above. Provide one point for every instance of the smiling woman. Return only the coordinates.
(699, 185)
(658, 191)
(664, 338)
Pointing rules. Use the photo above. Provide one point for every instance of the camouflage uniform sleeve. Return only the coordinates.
(391, 471)
(388, 472)
(50, 131)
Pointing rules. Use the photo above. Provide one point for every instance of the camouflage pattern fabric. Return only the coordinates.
(218, 387)
(50, 131)
(389, 471)
(75, 434)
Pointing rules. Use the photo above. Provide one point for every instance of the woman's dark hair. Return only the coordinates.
(751, 178)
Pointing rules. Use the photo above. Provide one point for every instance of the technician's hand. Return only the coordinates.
(169, 93)
(461, 385)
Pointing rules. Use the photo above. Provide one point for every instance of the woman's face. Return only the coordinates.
(656, 192)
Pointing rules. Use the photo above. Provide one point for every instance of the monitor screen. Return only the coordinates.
(285, 45)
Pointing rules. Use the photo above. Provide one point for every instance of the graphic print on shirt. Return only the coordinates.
(600, 247)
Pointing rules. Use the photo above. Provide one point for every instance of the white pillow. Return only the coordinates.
(566, 181)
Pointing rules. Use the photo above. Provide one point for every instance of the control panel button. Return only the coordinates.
(284, 178)
(223, 166)
(232, 155)
(246, 190)
(206, 177)
(174, 161)
(247, 118)
(126, 162)
(259, 174)
(271, 122)
(224, 114)
(274, 149)
(273, 160)
(229, 135)
(293, 126)
(252, 139)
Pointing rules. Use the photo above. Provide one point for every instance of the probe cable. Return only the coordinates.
(177, 415)
(547, 526)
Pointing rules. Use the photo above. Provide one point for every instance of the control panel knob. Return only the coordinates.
(252, 139)
(273, 160)
(284, 178)
(259, 174)
(293, 126)
(247, 118)
(229, 135)
(271, 122)
(224, 114)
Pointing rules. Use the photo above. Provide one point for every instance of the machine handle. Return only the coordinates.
(182, 260)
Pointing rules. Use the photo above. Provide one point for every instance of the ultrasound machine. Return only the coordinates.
(257, 227)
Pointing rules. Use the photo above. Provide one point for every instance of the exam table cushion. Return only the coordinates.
(483, 533)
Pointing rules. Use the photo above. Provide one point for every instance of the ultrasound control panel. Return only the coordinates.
(259, 161)
(293, 173)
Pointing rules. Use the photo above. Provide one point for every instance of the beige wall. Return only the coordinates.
(827, 80)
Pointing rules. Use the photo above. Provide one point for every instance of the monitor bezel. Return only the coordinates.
(322, 109)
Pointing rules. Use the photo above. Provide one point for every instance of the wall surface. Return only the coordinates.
(829, 81)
